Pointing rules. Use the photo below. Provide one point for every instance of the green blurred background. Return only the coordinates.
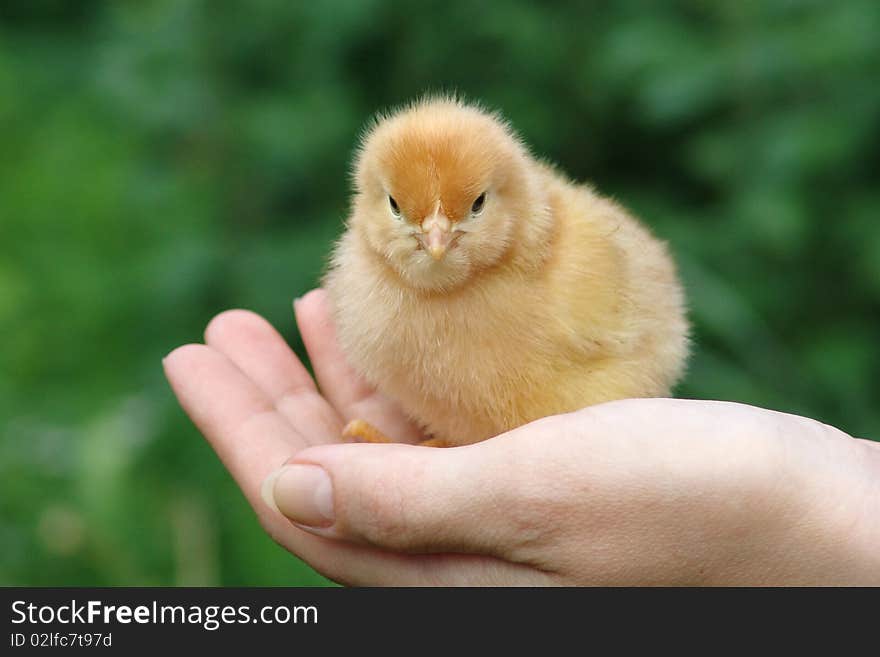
(162, 161)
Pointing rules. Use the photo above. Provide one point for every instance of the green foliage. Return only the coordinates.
(162, 161)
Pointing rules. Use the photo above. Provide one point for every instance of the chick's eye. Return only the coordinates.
(395, 209)
(477, 207)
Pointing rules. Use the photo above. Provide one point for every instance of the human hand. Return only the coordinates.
(633, 492)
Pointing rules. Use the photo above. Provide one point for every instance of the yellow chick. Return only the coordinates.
(481, 289)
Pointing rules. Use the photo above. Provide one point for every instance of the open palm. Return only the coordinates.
(257, 405)
(636, 491)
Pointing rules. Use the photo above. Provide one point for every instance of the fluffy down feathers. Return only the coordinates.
(546, 297)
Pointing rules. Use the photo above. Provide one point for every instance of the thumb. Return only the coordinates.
(402, 497)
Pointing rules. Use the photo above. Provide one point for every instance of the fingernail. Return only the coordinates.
(267, 490)
(302, 493)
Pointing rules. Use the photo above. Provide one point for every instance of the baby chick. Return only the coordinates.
(481, 289)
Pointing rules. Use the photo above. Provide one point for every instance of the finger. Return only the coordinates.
(351, 396)
(236, 417)
(491, 498)
(252, 439)
(360, 565)
(259, 351)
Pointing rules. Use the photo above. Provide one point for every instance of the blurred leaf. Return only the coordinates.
(163, 161)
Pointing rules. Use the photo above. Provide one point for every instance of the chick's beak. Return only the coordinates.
(436, 235)
(437, 241)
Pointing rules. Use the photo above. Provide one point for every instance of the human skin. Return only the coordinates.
(633, 492)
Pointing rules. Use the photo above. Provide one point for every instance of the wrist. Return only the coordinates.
(866, 527)
(840, 525)
(814, 511)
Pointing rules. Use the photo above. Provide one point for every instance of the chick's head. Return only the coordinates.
(441, 190)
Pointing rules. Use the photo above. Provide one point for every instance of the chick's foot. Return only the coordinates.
(361, 431)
